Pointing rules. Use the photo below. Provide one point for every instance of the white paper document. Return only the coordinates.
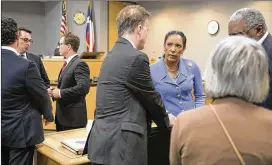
(74, 145)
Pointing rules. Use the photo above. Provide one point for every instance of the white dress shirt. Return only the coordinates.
(263, 38)
(11, 49)
(24, 55)
(70, 58)
(67, 62)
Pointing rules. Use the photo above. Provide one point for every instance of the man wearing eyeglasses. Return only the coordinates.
(251, 23)
(25, 41)
(73, 86)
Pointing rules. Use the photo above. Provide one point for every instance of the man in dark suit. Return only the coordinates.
(56, 51)
(126, 98)
(25, 40)
(24, 99)
(73, 86)
(251, 23)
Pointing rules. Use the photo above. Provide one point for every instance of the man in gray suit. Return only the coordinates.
(126, 99)
(251, 23)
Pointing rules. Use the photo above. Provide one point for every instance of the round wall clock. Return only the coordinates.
(213, 27)
(79, 18)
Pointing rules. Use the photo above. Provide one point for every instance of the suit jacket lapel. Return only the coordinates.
(66, 68)
(29, 57)
(182, 71)
(165, 77)
(267, 41)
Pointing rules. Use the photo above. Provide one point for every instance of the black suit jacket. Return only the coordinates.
(24, 99)
(74, 84)
(267, 44)
(125, 98)
(56, 52)
(40, 66)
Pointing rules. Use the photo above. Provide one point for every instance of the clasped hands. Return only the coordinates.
(54, 92)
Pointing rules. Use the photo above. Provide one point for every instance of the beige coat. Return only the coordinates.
(198, 139)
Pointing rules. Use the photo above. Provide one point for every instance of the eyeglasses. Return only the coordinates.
(61, 43)
(243, 33)
(26, 40)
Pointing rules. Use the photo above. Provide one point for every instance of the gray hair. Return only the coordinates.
(238, 67)
(252, 17)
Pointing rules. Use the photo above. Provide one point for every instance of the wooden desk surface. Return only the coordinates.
(51, 152)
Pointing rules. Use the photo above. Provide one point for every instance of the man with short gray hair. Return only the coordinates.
(250, 22)
(126, 99)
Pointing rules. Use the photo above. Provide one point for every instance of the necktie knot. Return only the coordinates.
(21, 55)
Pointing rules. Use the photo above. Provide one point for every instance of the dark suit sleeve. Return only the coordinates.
(44, 74)
(38, 92)
(82, 77)
(56, 52)
(139, 81)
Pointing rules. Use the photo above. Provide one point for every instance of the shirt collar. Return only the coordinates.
(263, 38)
(130, 42)
(10, 48)
(70, 58)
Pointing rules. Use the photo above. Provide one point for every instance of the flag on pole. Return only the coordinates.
(90, 30)
(63, 25)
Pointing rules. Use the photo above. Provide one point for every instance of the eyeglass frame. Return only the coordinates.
(60, 43)
(26, 40)
(244, 33)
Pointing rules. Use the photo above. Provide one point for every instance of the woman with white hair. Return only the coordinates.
(231, 130)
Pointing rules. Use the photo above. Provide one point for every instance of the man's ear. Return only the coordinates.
(260, 29)
(139, 28)
(69, 47)
(17, 38)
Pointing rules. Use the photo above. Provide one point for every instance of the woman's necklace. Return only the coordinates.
(173, 72)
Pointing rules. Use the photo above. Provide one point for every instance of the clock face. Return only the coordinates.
(213, 27)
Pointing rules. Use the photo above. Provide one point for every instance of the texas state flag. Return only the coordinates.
(89, 31)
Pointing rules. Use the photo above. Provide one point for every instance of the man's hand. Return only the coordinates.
(46, 122)
(56, 93)
(172, 118)
(49, 90)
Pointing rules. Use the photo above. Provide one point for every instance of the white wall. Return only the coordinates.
(31, 16)
(192, 18)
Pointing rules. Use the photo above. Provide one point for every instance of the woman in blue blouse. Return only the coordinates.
(175, 77)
